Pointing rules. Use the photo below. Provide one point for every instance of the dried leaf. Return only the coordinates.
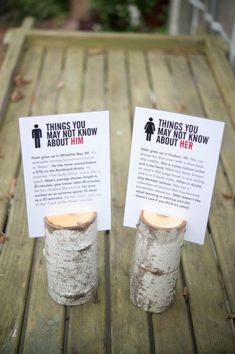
(26, 81)
(13, 187)
(95, 51)
(20, 80)
(60, 86)
(175, 51)
(33, 100)
(227, 195)
(182, 108)
(186, 293)
(16, 96)
(3, 237)
(152, 97)
(231, 316)
(116, 204)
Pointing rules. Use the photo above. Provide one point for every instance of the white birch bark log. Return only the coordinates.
(71, 257)
(156, 259)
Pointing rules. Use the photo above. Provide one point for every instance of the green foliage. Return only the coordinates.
(115, 14)
(40, 9)
(145, 6)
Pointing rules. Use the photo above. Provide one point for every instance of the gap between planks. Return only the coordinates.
(222, 282)
(154, 104)
(27, 302)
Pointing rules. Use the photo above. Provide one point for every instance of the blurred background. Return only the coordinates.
(207, 16)
(161, 16)
(111, 15)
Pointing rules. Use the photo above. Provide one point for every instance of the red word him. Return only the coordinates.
(76, 140)
(186, 144)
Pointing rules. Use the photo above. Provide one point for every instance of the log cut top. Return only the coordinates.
(71, 221)
(159, 221)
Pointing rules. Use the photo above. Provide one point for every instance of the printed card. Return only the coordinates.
(172, 168)
(66, 161)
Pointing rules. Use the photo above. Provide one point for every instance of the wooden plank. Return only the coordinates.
(223, 74)
(119, 106)
(87, 322)
(222, 224)
(213, 333)
(215, 108)
(127, 321)
(118, 40)
(15, 265)
(11, 60)
(94, 91)
(184, 86)
(47, 91)
(70, 85)
(209, 313)
(164, 93)
(221, 216)
(176, 318)
(140, 91)
(28, 23)
(45, 321)
(9, 136)
(45, 317)
(130, 332)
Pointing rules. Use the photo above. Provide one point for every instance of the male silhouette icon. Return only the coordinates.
(36, 135)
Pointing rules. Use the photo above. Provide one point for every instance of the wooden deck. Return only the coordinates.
(82, 72)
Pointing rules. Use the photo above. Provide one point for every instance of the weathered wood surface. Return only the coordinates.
(124, 337)
(12, 58)
(82, 72)
(43, 314)
(198, 280)
(81, 328)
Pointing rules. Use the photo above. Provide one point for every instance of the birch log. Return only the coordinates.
(71, 257)
(156, 259)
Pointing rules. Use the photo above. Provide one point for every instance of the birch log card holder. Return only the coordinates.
(66, 162)
(70, 252)
(172, 170)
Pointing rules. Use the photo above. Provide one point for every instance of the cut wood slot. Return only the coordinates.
(71, 257)
(71, 221)
(156, 260)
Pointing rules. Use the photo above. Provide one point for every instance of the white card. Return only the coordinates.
(172, 168)
(66, 161)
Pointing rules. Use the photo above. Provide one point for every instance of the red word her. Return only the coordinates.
(186, 144)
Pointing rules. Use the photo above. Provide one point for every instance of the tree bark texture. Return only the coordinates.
(71, 257)
(156, 259)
